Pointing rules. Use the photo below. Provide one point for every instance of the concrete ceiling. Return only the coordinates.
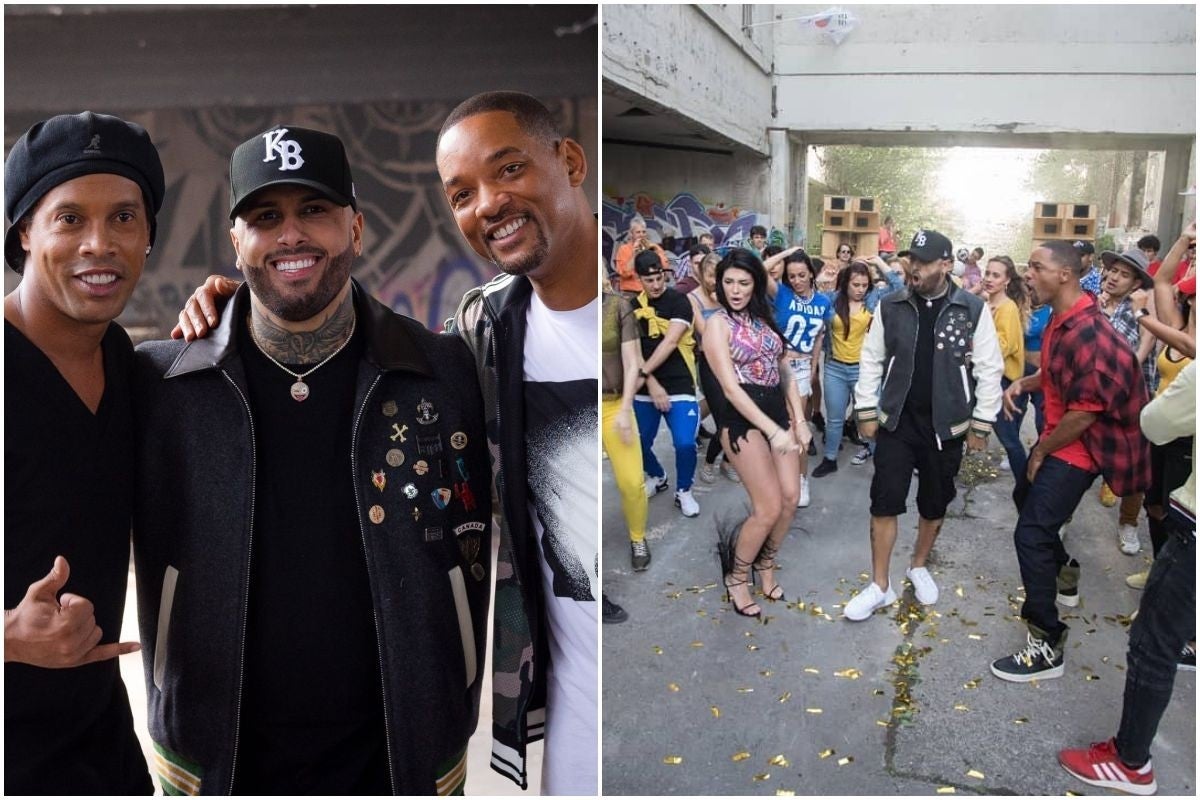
(628, 119)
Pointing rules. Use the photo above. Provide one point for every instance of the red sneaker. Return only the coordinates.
(1099, 765)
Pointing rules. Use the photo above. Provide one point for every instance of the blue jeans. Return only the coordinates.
(1044, 507)
(1165, 622)
(838, 386)
(1008, 431)
(684, 421)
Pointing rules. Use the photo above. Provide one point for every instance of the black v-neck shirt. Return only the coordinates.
(69, 490)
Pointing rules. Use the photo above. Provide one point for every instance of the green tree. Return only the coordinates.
(901, 179)
(1080, 176)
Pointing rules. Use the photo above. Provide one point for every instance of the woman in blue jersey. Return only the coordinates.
(802, 315)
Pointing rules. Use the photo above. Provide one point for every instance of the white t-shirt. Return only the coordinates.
(561, 426)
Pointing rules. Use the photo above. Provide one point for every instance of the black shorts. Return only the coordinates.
(913, 446)
(769, 399)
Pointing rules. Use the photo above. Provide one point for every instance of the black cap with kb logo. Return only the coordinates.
(288, 154)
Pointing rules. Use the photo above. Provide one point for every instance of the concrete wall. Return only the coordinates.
(694, 59)
(1119, 69)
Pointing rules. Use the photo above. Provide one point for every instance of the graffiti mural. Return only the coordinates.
(681, 220)
(414, 259)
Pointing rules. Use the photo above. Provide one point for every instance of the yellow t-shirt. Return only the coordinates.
(1169, 369)
(849, 349)
(1007, 319)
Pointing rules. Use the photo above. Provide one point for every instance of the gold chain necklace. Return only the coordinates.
(300, 390)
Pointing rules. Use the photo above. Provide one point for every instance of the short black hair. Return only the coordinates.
(1066, 255)
(698, 249)
(1149, 242)
(771, 250)
(758, 230)
(533, 117)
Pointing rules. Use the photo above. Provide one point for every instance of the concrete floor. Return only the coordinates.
(697, 700)
(481, 778)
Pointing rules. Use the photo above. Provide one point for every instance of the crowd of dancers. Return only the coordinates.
(933, 350)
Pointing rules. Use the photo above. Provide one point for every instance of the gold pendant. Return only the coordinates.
(299, 391)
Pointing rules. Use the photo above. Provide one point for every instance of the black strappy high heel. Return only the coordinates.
(766, 560)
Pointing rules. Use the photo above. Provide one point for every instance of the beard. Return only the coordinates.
(522, 264)
(301, 309)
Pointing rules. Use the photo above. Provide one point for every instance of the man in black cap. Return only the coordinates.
(313, 526)
(932, 396)
(81, 192)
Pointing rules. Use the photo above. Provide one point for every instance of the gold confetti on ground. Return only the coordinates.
(1020, 720)
(850, 673)
(945, 790)
(972, 684)
(826, 753)
(784, 793)
(740, 756)
(976, 774)
(762, 776)
(657, 650)
(744, 690)
(958, 590)
(697, 644)
(977, 637)
(883, 723)
(878, 692)
(783, 698)
(674, 595)
(961, 707)
(766, 673)
(674, 687)
(673, 760)
(814, 711)
(812, 670)
(800, 606)
(844, 761)
(751, 647)
(716, 712)
(778, 761)
(1091, 677)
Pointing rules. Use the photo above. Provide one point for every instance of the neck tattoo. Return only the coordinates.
(319, 346)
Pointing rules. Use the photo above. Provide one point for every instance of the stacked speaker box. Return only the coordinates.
(850, 220)
(1063, 221)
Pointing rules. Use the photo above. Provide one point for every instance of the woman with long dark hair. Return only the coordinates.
(761, 427)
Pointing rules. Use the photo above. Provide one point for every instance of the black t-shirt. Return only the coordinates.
(68, 490)
(920, 393)
(312, 709)
(673, 374)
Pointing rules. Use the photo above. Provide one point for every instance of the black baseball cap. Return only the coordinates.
(290, 154)
(930, 246)
(70, 146)
(1085, 248)
(647, 263)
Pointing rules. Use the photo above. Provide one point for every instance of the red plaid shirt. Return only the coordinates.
(1091, 366)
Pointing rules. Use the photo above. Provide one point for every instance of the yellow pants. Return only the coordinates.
(626, 460)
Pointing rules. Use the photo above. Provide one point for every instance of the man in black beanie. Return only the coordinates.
(81, 192)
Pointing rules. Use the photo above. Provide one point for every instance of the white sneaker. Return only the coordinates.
(730, 472)
(868, 601)
(687, 504)
(861, 457)
(655, 485)
(708, 473)
(1004, 465)
(805, 500)
(923, 585)
(1128, 536)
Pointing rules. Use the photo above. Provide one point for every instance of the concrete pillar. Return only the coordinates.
(1177, 170)
(780, 180)
(797, 224)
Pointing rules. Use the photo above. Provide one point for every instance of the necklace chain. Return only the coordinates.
(300, 389)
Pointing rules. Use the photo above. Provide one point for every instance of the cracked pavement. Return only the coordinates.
(697, 700)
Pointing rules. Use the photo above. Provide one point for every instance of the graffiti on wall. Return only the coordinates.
(683, 219)
(414, 258)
